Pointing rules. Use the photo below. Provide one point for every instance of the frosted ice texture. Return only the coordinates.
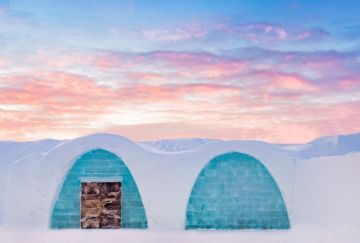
(235, 191)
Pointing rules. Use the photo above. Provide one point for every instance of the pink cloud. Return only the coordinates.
(350, 83)
(314, 33)
(287, 81)
(147, 76)
(176, 34)
(254, 32)
(160, 94)
(3, 62)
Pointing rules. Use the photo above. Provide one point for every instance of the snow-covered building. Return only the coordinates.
(107, 181)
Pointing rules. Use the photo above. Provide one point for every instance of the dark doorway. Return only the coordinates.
(100, 205)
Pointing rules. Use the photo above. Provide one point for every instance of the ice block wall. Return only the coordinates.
(236, 191)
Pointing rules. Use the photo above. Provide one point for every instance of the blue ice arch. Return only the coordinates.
(97, 165)
(236, 191)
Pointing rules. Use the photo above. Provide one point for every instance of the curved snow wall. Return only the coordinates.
(97, 165)
(236, 191)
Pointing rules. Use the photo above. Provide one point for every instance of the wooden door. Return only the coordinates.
(100, 205)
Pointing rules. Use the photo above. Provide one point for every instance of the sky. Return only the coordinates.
(278, 71)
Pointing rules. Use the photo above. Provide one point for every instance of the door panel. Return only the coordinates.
(100, 205)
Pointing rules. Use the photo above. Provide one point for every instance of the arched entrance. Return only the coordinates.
(101, 176)
(236, 191)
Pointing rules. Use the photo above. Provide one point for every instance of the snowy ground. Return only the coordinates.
(296, 235)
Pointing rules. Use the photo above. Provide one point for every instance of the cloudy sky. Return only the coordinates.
(280, 71)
